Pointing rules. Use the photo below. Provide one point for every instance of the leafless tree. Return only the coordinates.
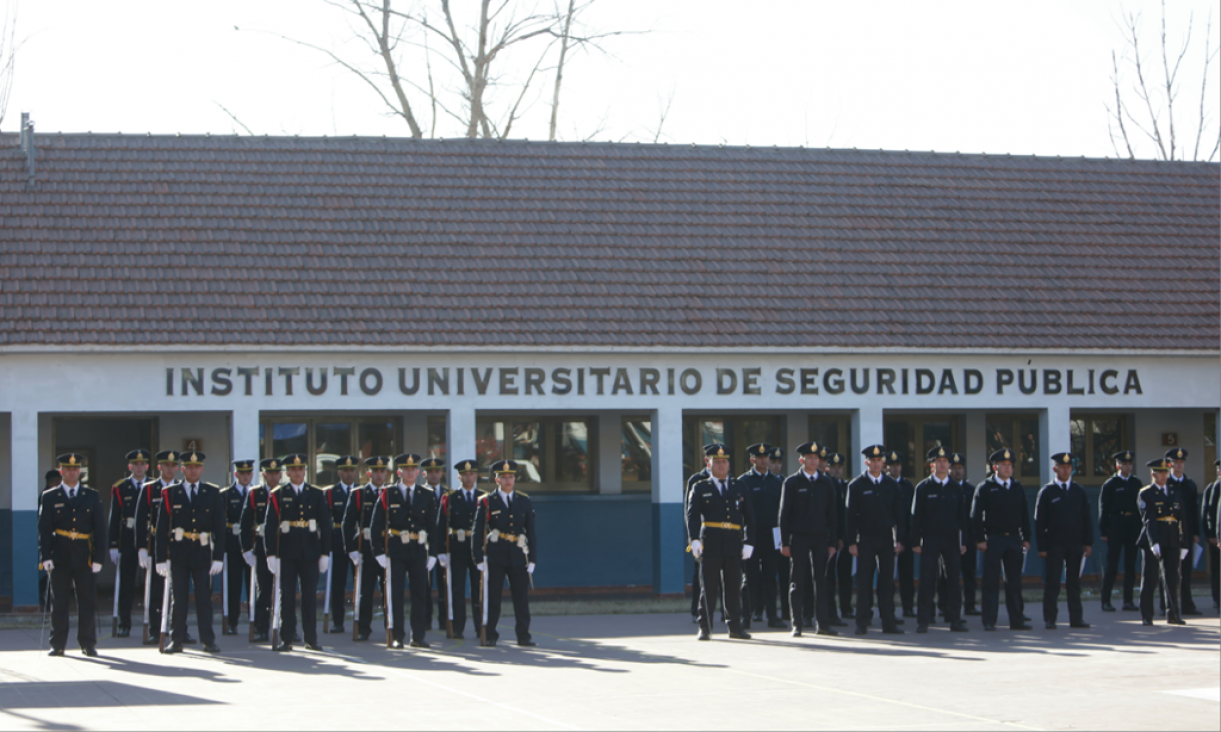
(8, 56)
(1144, 109)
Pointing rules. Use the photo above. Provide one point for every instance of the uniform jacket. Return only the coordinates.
(808, 509)
(392, 513)
(337, 505)
(358, 518)
(1117, 500)
(841, 507)
(456, 514)
(297, 542)
(764, 491)
(83, 515)
(1212, 497)
(234, 501)
(1190, 496)
(940, 514)
(874, 511)
(204, 514)
(1063, 518)
(147, 508)
(124, 496)
(968, 495)
(1155, 504)
(1000, 511)
(254, 513)
(509, 522)
(907, 494)
(706, 504)
(691, 481)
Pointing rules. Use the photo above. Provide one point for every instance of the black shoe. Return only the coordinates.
(779, 624)
(233, 629)
(1108, 607)
(492, 641)
(396, 644)
(1131, 607)
(860, 630)
(1026, 618)
(56, 652)
(1191, 611)
(1079, 626)
(745, 623)
(1177, 621)
(959, 627)
(838, 624)
(259, 638)
(971, 611)
(824, 630)
(283, 647)
(211, 648)
(909, 614)
(313, 647)
(526, 643)
(1021, 626)
(336, 629)
(174, 647)
(739, 635)
(898, 621)
(90, 651)
(757, 617)
(796, 632)
(1050, 625)
(189, 641)
(989, 627)
(362, 635)
(123, 633)
(153, 641)
(459, 636)
(1146, 621)
(892, 630)
(922, 628)
(419, 644)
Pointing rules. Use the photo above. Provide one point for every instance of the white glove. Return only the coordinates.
(443, 560)
(249, 557)
(530, 568)
(383, 560)
(324, 563)
(355, 557)
(96, 568)
(747, 550)
(163, 569)
(1182, 555)
(114, 556)
(432, 562)
(273, 565)
(697, 548)
(217, 568)
(143, 559)
(48, 565)
(1157, 550)
(482, 566)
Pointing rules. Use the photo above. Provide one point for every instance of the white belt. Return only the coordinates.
(131, 523)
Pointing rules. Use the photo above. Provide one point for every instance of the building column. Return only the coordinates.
(975, 447)
(868, 428)
(460, 439)
(669, 530)
(1055, 435)
(27, 487)
(610, 453)
(797, 431)
(244, 436)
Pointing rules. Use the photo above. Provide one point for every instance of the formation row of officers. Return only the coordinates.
(280, 536)
(758, 532)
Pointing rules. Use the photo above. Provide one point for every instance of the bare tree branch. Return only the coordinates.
(234, 117)
(664, 112)
(559, 69)
(8, 56)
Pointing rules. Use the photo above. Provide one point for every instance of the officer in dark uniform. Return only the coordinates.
(237, 571)
(71, 548)
(1161, 537)
(404, 545)
(874, 512)
(434, 474)
(1119, 526)
(695, 576)
(347, 468)
(506, 545)
(783, 563)
(809, 532)
(759, 588)
(1191, 525)
(296, 537)
(906, 559)
(254, 515)
(1211, 518)
(970, 558)
(839, 575)
(456, 529)
(1065, 534)
(721, 531)
(1000, 525)
(190, 550)
(124, 497)
(147, 508)
(937, 537)
(358, 542)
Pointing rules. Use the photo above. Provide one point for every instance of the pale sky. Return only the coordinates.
(1021, 77)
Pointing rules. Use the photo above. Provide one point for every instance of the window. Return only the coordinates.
(636, 454)
(833, 432)
(1019, 433)
(553, 453)
(1095, 438)
(1210, 448)
(437, 438)
(736, 433)
(324, 439)
(914, 435)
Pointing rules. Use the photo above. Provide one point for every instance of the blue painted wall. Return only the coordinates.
(591, 541)
(25, 557)
(6, 552)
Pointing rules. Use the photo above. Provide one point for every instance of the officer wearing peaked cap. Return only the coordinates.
(124, 497)
(1210, 519)
(906, 560)
(254, 514)
(759, 591)
(874, 514)
(456, 528)
(434, 475)
(347, 469)
(297, 537)
(970, 558)
(506, 546)
(148, 506)
(71, 548)
(721, 530)
(237, 573)
(938, 517)
(696, 477)
(405, 546)
(1064, 531)
(358, 542)
(839, 572)
(1000, 525)
(1190, 494)
(1119, 526)
(808, 534)
(1162, 518)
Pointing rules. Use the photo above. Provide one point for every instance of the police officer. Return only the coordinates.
(296, 537)
(1210, 520)
(1065, 534)
(404, 546)
(874, 512)
(1119, 526)
(808, 535)
(696, 477)
(1162, 516)
(1000, 525)
(253, 517)
(506, 545)
(759, 589)
(71, 548)
(776, 466)
(190, 550)
(937, 521)
(1191, 525)
(839, 575)
(237, 571)
(906, 559)
(434, 474)
(347, 468)
(721, 533)
(124, 497)
(358, 542)
(456, 528)
(147, 508)
(970, 558)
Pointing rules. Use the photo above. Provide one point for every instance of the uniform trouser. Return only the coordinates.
(809, 555)
(934, 556)
(761, 583)
(304, 571)
(717, 572)
(907, 579)
(875, 555)
(1003, 551)
(519, 588)
(1186, 601)
(239, 581)
(1121, 540)
(128, 563)
(183, 576)
(338, 577)
(1068, 560)
(696, 591)
(65, 578)
(462, 569)
(1214, 572)
(156, 591)
(436, 579)
(371, 577)
(843, 578)
(1156, 571)
(264, 589)
(410, 574)
(970, 565)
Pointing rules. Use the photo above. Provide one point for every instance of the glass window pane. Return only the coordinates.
(1077, 430)
(377, 438)
(1000, 436)
(636, 450)
(527, 449)
(288, 438)
(437, 438)
(1108, 440)
(331, 439)
(713, 431)
(573, 464)
(826, 434)
(756, 431)
(898, 434)
(1028, 450)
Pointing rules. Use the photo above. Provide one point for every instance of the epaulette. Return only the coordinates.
(276, 489)
(523, 494)
(119, 482)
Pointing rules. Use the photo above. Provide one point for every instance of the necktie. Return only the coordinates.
(190, 493)
(509, 501)
(468, 497)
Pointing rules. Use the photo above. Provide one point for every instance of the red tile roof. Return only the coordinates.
(242, 241)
